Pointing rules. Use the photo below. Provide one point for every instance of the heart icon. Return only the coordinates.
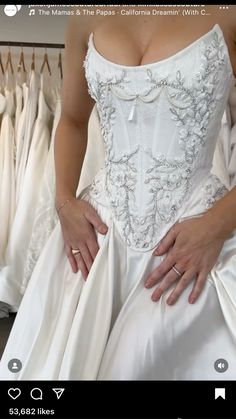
(14, 393)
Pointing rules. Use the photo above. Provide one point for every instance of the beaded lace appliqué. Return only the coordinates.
(213, 190)
(169, 180)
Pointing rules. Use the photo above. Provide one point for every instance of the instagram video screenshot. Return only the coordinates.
(117, 211)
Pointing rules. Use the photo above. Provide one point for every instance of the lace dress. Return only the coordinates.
(159, 124)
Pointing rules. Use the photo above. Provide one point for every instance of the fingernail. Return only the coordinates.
(170, 301)
(147, 284)
(191, 300)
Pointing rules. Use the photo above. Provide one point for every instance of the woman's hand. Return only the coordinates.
(79, 219)
(193, 247)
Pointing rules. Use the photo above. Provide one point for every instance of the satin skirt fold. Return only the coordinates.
(108, 328)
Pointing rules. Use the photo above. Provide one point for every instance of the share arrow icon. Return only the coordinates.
(58, 392)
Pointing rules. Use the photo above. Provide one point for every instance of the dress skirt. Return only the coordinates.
(108, 328)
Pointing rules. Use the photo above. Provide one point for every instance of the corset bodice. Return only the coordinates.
(159, 123)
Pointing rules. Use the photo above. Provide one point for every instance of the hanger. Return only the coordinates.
(9, 61)
(21, 61)
(60, 64)
(1, 64)
(33, 59)
(45, 62)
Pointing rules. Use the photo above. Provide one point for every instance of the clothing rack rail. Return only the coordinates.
(31, 44)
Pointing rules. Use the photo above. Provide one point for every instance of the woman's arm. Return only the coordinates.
(71, 133)
(193, 246)
(78, 218)
(222, 215)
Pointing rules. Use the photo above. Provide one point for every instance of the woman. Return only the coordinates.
(149, 289)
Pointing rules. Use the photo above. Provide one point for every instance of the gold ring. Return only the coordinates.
(75, 251)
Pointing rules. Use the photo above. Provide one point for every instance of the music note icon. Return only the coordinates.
(32, 12)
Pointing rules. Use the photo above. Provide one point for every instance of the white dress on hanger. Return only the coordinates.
(20, 128)
(19, 105)
(45, 216)
(224, 161)
(12, 274)
(30, 117)
(7, 173)
(159, 124)
(7, 203)
(2, 103)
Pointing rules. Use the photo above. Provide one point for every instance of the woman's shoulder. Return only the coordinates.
(87, 19)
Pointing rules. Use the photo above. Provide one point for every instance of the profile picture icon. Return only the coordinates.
(14, 365)
(11, 9)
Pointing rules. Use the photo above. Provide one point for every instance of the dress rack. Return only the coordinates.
(31, 44)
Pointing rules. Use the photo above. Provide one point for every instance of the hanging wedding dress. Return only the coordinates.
(11, 275)
(21, 95)
(2, 104)
(3, 307)
(159, 123)
(19, 106)
(31, 113)
(7, 173)
(224, 161)
(45, 216)
(20, 128)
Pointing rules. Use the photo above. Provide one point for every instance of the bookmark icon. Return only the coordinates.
(219, 392)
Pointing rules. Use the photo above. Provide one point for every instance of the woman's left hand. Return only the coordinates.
(193, 247)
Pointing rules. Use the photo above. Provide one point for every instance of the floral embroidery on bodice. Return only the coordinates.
(159, 124)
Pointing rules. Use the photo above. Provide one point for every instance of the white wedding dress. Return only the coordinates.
(159, 123)
(20, 128)
(45, 216)
(224, 161)
(7, 173)
(12, 281)
(26, 127)
(19, 105)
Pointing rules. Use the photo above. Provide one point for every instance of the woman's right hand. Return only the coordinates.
(79, 219)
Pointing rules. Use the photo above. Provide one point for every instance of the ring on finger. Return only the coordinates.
(75, 251)
(176, 271)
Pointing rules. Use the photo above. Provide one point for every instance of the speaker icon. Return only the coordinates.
(221, 365)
